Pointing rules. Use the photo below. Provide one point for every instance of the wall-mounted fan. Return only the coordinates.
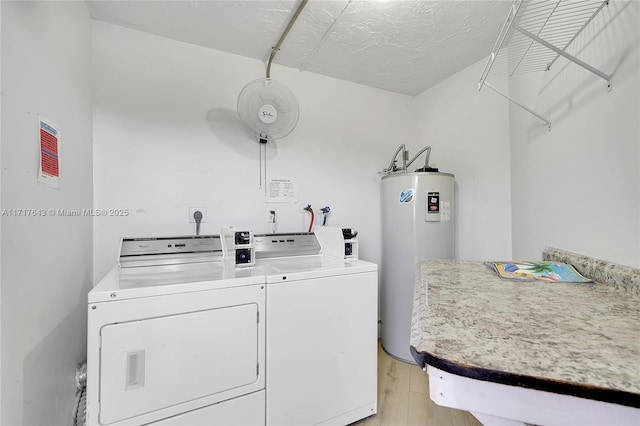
(268, 108)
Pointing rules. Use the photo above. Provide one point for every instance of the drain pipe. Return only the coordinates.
(274, 51)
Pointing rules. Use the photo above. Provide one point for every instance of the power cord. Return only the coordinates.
(197, 215)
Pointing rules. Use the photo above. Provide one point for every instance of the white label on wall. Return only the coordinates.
(281, 191)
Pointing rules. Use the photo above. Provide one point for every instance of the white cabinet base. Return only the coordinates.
(322, 350)
(495, 404)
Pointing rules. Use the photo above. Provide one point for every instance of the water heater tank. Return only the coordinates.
(417, 224)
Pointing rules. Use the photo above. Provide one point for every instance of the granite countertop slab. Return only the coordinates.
(576, 339)
(624, 278)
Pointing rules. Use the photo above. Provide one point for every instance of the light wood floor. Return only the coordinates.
(403, 399)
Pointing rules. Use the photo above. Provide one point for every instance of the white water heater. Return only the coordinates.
(417, 224)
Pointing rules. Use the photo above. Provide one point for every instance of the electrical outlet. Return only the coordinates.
(202, 210)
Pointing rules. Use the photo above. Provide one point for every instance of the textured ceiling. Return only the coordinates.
(404, 46)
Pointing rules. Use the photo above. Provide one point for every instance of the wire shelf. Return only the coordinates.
(535, 34)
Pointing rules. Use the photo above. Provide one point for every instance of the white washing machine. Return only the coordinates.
(322, 318)
(176, 336)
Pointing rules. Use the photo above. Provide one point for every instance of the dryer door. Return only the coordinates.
(155, 363)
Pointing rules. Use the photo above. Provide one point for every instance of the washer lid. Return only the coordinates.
(148, 281)
(308, 267)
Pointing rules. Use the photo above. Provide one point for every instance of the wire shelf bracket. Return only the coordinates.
(530, 36)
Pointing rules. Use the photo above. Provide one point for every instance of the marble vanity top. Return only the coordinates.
(575, 339)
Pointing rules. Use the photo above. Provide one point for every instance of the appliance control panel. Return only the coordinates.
(338, 242)
(286, 244)
(151, 251)
(238, 246)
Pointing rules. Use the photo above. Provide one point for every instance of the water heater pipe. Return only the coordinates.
(426, 160)
(392, 167)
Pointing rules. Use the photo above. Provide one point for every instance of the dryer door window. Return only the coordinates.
(156, 363)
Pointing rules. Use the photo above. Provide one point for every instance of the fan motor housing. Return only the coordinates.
(267, 114)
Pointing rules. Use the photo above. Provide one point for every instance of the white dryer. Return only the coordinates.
(321, 332)
(176, 336)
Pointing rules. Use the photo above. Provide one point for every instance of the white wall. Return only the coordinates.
(167, 137)
(0, 210)
(577, 187)
(46, 261)
(469, 136)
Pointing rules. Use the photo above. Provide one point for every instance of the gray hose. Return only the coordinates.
(80, 412)
(426, 160)
(392, 167)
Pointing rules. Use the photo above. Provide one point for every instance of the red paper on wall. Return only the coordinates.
(49, 153)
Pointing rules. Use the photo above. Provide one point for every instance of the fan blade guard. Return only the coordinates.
(268, 108)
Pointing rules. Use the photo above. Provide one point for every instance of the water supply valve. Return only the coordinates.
(325, 211)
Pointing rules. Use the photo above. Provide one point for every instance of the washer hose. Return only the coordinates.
(310, 210)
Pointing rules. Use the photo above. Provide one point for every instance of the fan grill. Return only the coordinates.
(268, 108)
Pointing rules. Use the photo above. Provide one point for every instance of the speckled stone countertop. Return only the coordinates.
(575, 339)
